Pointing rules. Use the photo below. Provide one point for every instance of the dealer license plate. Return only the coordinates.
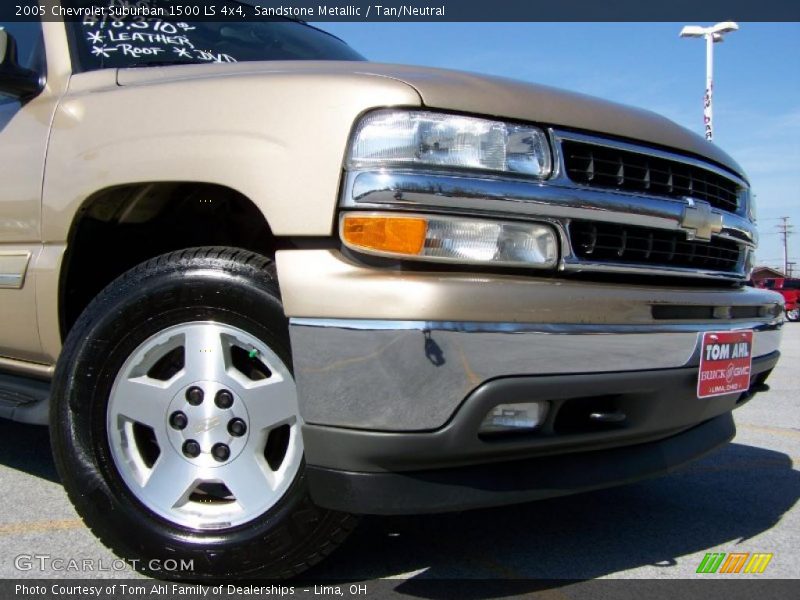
(726, 359)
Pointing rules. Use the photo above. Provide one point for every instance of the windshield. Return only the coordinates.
(140, 41)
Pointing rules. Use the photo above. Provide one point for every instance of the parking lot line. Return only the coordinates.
(35, 526)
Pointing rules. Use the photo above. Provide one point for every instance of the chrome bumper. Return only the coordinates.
(413, 375)
(395, 350)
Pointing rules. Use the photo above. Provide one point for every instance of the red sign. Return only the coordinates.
(726, 358)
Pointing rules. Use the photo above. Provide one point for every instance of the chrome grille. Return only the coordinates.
(596, 165)
(624, 244)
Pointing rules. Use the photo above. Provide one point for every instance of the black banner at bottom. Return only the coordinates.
(418, 587)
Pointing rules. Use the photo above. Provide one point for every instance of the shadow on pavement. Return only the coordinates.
(27, 448)
(730, 496)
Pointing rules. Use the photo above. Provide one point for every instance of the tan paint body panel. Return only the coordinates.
(278, 137)
(19, 336)
(48, 273)
(324, 284)
(23, 144)
(24, 134)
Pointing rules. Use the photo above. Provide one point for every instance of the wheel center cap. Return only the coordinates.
(207, 424)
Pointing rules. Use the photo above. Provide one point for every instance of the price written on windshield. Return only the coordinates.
(146, 38)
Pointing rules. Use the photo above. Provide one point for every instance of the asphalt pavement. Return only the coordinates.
(742, 498)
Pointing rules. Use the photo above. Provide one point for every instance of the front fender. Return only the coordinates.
(277, 138)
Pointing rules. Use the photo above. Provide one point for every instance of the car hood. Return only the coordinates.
(478, 94)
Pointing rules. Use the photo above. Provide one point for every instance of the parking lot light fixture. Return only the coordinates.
(712, 35)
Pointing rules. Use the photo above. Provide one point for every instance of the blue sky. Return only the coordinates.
(756, 82)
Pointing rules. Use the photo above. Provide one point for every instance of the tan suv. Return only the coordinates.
(260, 285)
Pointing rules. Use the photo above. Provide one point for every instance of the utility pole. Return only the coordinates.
(785, 230)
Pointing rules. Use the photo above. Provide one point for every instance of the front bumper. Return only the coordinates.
(453, 469)
(477, 486)
(394, 350)
(414, 375)
(653, 405)
(395, 371)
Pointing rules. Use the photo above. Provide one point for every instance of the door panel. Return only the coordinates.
(24, 130)
(19, 335)
(23, 139)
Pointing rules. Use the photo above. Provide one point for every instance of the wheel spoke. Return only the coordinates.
(206, 357)
(142, 399)
(271, 403)
(294, 454)
(171, 481)
(249, 480)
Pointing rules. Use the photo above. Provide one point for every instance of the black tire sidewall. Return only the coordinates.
(130, 311)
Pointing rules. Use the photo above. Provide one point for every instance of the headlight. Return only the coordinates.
(397, 137)
(451, 239)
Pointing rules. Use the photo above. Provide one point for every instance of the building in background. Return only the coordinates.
(761, 273)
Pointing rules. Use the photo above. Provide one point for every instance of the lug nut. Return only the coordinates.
(224, 399)
(194, 396)
(221, 452)
(178, 420)
(191, 448)
(237, 427)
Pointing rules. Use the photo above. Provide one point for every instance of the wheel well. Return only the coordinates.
(118, 228)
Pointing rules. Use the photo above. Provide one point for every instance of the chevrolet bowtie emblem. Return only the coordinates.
(699, 221)
(207, 424)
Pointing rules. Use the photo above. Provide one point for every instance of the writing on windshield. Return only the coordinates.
(117, 38)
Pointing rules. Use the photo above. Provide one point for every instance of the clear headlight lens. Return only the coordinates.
(398, 137)
(451, 239)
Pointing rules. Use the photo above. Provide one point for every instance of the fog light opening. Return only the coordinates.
(523, 417)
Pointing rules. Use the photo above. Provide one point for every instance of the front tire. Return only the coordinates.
(175, 426)
(793, 315)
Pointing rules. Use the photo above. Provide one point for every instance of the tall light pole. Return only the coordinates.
(712, 35)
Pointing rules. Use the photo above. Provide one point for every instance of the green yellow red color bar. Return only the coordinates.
(736, 562)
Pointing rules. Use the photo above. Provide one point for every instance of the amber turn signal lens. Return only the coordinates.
(454, 239)
(397, 235)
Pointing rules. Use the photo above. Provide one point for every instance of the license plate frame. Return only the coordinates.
(726, 363)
